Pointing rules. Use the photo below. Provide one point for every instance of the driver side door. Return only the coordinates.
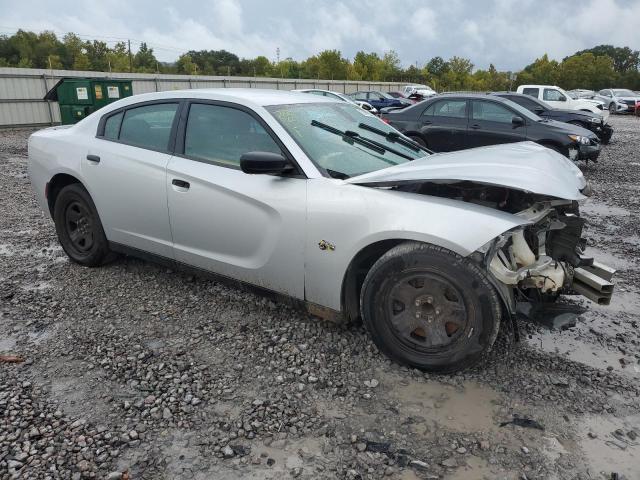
(247, 227)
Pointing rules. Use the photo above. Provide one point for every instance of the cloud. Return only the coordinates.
(508, 33)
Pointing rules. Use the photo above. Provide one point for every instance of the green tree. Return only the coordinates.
(144, 60)
(624, 59)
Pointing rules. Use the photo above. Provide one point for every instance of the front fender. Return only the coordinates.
(348, 218)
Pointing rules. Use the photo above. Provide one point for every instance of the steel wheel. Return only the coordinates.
(427, 307)
(426, 310)
(79, 226)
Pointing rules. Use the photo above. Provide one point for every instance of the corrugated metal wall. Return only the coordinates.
(22, 89)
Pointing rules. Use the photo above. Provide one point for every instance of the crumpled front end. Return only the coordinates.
(539, 261)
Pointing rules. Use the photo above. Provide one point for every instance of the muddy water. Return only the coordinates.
(7, 344)
(608, 453)
(477, 468)
(597, 356)
(467, 409)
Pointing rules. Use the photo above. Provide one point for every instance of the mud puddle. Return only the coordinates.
(467, 409)
(599, 356)
(477, 468)
(7, 344)
(590, 208)
(613, 450)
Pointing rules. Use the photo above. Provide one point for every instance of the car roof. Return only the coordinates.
(477, 96)
(248, 96)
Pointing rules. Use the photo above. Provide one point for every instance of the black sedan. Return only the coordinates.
(457, 121)
(587, 120)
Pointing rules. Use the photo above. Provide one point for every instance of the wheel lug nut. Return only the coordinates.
(429, 299)
(417, 303)
(437, 311)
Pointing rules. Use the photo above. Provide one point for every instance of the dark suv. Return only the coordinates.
(457, 121)
(588, 120)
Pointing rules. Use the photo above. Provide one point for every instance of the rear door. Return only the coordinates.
(125, 169)
(490, 123)
(443, 124)
(247, 227)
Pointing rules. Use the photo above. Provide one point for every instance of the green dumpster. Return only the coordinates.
(78, 97)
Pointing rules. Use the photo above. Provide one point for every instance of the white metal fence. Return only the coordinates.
(22, 89)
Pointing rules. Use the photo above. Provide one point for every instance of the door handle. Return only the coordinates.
(93, 158)
(180, 183)
(475, 126)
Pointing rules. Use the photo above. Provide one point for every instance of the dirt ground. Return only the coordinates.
(133, 367)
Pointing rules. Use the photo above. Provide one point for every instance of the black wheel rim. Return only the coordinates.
(79, 226)
(426, 311)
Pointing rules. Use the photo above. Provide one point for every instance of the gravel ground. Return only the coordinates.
(135, 371)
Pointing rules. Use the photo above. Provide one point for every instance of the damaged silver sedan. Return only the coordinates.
(321, 202)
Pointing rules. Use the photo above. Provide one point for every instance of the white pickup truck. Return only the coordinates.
(556, 97)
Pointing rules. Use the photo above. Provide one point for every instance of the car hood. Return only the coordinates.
(577, 113)
(568, 128)
(524, 166)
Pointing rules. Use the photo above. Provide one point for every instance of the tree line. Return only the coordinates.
(599, 67)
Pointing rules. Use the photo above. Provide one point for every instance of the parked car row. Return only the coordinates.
(311, 198)
(546, 114)
(451, 122)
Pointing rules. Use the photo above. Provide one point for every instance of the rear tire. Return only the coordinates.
(79, 228)
(612, 108)
(429, 308)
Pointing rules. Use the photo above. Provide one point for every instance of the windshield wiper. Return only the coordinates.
(355, 137)
(396, 137)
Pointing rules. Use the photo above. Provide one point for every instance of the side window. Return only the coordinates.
(361, 96)
(553, 95)
(491, 112)
(447, 108)
(316, 92)
(112, 126)
(148, 126)
(223, 134)
(534, 92)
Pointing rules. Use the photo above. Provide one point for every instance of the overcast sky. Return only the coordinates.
(507, 33)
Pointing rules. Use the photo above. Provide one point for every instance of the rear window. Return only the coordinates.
(148, 126)
(112, 126)
(534, 92)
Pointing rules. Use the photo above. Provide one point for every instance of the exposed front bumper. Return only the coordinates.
(585, 152)
(604, 131)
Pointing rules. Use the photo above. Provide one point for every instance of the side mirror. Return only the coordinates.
(562, 98)
(264, 163)
(538, 109)
(517, 121)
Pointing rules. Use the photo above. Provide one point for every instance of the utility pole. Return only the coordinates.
(130, 59)
(278, 54)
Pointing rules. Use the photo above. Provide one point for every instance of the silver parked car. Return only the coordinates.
(619, 100)
(321, 202)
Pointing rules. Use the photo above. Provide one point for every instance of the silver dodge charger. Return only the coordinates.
(322, 203)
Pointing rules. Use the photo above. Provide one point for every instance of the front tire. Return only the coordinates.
(612, 108)
(429, 308)
(79, 228)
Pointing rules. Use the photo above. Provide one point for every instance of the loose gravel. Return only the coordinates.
(136, 371)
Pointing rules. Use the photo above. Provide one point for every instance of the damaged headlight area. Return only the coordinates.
(544, 259)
